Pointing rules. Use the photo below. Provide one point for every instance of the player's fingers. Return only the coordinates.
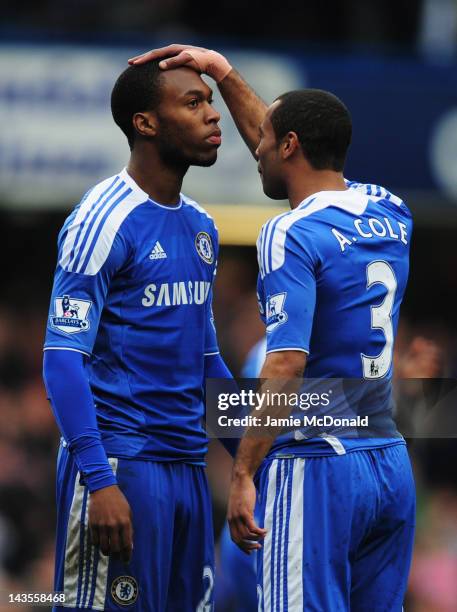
(239, 533)
(245, 540)
(247, 527)
(234, 530)
(254, 536)
(154, 54)
(94, 535)
(114, 540)
(253, 528)
(248, 546)
(179, 60)
(127, 542)
(104, 540)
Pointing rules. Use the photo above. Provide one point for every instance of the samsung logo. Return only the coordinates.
(176, 294)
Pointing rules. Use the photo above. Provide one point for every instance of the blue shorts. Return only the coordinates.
(235, 577)
(172, 565)
(340, 532)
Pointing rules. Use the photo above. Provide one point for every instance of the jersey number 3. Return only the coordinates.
(381, 318)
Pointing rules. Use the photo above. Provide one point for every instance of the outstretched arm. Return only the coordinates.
(245, 106)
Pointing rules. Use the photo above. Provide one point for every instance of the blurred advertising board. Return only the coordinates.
(57, 137)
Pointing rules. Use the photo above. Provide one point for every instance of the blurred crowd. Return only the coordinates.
(29, 438)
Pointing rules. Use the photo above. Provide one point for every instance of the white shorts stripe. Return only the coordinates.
(95, 571)
(282, 530)
(90, 575)
(85, 553)
(277, 535)
(101, 577)
(268, 525)
(71, 570)
(295, 544)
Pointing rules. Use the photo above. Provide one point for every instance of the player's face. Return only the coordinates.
(188, 131)
(269, 160)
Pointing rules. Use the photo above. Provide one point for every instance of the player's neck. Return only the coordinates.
(301, 186)
(161, 182)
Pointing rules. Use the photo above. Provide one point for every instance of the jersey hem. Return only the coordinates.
(288, 451)
(198, 461)
(288, 348)
(65, 348)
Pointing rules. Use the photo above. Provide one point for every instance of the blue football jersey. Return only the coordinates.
(332, 276)
(132, 291)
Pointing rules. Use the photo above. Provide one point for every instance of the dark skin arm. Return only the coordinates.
(110, 523)
(245, 106)
(284, 365)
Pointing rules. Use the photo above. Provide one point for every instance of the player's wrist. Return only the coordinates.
(211, 62)
(241, 473)
(92, 461)
(99, 480)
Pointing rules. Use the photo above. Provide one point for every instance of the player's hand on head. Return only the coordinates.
(200, 59)
(110, 523)
(240, 515)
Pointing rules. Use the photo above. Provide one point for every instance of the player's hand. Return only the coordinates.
(200, 59)
(110, 522)
(243, 529)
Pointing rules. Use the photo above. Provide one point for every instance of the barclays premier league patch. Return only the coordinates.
(276, 314)
(70, 315)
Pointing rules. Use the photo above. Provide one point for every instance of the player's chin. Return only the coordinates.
(273, 191)
(205, 159)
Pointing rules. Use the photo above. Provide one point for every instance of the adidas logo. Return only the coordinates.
(157, 252)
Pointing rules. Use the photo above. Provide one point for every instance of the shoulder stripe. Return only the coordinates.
(259, 251)
(96, 232)
(79, 223)
(266, 239)
(103, 242)
(91, 234)
(89, 208)
(376, 191)
(92, 225)
(269, 245)
(264, 243)
(355, 205)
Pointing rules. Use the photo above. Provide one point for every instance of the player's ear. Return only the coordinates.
(289, 145)
(145, 123)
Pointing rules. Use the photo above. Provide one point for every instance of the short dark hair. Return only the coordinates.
(137, 89)
(322, 123)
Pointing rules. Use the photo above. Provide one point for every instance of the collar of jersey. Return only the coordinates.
(125, 176)
(332, 196)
